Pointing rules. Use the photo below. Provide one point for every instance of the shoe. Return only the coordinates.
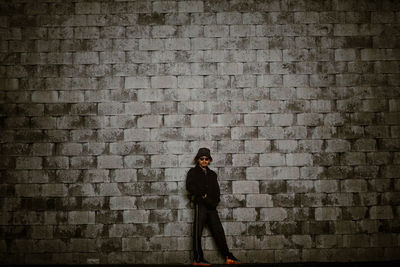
(230, 259)
(201, 262)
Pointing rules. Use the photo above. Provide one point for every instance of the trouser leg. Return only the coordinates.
(217, 231)
(200, 215)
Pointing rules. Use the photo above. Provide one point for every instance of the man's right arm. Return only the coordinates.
(193, 189)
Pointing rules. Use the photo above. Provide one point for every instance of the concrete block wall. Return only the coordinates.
(103, 105)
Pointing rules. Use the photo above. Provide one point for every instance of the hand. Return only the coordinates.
(205, 195)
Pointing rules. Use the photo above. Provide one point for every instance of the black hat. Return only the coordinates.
(204, 152)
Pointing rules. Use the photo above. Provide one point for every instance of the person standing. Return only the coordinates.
(203, 188)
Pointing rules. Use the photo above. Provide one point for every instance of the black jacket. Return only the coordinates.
(199, 183)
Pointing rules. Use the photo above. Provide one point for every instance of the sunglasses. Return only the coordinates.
(204, 159)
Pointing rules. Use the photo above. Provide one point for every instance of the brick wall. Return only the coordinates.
(105, 103)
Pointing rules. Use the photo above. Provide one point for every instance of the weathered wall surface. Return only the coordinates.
(105, 103)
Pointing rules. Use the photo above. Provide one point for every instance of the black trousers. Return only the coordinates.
(203, 216)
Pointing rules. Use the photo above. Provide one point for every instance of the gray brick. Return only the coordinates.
(164, 188)
(86, 58)
(160, 57)
(24, 190)
(229, 18)
(44, 96)
(203, 18)
(175, 174)
(177, 94)
(202, 95)
(149, 121)
(258, 173)
(176, 147)
(204, 68)
(282, 119)
(134, 161)
(243, 106)
(326, 241)
(191, 6)
(216, 107)
(81, 217)
(299, 159)
(191, 107)
(285, 172)
(199, 43)
(190, 82)
(82, 189)
(245, 187)
(177, 229)
(272, 159)
(256, 146)
(356, 185)
(151, 44)
(244, 133)
(244, 214)
(273, 214)
(345, 54)
(228, 119)
(29, 163)
(245, 81)
(87, 8)
(168, 107)
(42, 232)
(242, 30)
(164, 6)
(304, 241)
(300, 186)
(268, 106)
(136, 108)
(190, 31)
(309, 119)
(137, 82)
(216, 31)
(270, 81)
(136, 216)
(110, 108)
(244, 159)
(353, 158)
(164, 134)
(234, 228)
(137, 135)
(56, 163)
(259, 200)
(110, 189)
(216, 56)
(123, 203)
(381, 212)
(176, 120)
(256, 119)
(270, 132)
(42, 149)
(162, 161)
(164, 82)
(327, 214)
(230, 68)
(228, 146)
(327, 186)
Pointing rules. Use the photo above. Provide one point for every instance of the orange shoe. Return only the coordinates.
(230, 259)
(202, 262)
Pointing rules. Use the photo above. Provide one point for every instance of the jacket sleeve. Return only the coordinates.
(214, 201)
(192, 188)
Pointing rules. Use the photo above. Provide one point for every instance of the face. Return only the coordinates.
(204, 161)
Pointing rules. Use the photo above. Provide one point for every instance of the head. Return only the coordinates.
(203, 157)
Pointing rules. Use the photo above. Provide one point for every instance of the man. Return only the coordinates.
(202, 184)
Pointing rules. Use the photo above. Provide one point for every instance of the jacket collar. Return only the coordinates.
(198, 168)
